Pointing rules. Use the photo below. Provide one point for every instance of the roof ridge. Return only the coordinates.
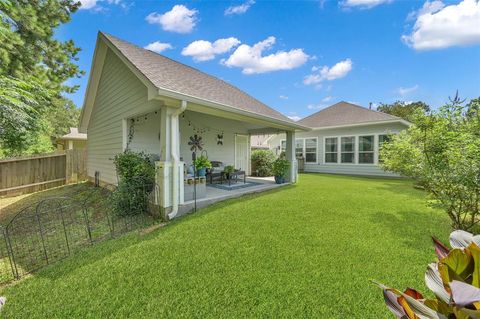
(197, 70)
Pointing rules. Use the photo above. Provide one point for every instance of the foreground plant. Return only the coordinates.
(454, 279)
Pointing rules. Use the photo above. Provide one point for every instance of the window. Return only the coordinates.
(310, 150)
(348, 149)
(381, 140)
(331, 148)
(299, 148)
(283, 146)
(365, 149)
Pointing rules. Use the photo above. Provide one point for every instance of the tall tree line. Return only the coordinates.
(34, 68)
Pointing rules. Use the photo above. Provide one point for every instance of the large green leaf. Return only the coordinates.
(475, 251)
(458, 265)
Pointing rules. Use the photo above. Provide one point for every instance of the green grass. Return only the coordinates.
(308, 250)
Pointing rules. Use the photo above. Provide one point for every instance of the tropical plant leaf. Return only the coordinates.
(462, 239)
(475, 251)
(464, 294)
(391, 300)
(459, 263)
(440, 249)
(421, 310)
(465, 313)
(434, 282)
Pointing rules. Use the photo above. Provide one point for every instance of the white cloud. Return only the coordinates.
(240, 9)
(316, 106)
(366, 4)
(250, 58)
(294, 118)
(283, 97)
(438, 26)
(404, 91)
(180, 19)
(327, 99)
(202, 50)
(94, 5)
(320, 74)
(158, 47)
(87, 4)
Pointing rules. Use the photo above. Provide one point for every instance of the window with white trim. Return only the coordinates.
(347, 149)
(331, 150)
(366, 151)
(283, 146)
(310, 150)
(299, 148)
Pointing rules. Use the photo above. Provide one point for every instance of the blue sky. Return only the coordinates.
(299, 57)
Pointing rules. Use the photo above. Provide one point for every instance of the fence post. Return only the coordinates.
(87, 222)
(41, 230)
(64, 227)
(11, 257)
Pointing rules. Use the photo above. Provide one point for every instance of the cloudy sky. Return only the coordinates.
(299, 57)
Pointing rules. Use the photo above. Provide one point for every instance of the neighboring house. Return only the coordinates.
(147, 102)
(260, 142)
(72, 140)
(345, 139)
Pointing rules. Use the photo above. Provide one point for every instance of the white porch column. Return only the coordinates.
(290, 156)
(169, 168)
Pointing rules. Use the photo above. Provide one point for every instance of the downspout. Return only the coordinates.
(173, 153)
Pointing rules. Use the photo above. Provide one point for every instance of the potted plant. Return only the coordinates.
(228, 170)
(280, 169)
(201, 164)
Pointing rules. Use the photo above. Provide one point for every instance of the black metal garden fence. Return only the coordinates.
(57, 227)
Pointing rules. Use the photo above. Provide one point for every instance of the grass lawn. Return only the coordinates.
(307, 250)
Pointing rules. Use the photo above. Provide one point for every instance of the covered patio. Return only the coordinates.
(215, 194)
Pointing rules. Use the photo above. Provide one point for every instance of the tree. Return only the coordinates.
(404, 110)
(33, 69)
(442, 152)
(28, 48)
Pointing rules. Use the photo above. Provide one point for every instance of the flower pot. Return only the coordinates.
(201, 172)
(279, 179)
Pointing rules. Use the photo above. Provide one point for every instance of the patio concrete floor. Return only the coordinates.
(215, 195)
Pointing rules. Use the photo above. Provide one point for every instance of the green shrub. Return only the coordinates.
(280, 167)
(229, 169)
(136, 174)
(262, 162)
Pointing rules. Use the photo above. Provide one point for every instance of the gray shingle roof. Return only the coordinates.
(343, 113)
(165, 73)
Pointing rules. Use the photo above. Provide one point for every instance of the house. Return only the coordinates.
(147, 102)
(72, 140)
(260, 142)
(344, 139)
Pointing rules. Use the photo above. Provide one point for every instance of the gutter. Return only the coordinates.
(173, 153)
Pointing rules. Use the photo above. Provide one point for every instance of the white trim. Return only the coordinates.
(406, 123)
(304, 149)
(247, 169)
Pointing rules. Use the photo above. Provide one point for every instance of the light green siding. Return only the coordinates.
(120, 95)
(339, 168)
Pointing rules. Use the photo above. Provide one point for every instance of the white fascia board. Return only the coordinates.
(406, 123)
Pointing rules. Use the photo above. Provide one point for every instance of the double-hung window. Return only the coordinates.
(310, 150)
(347, 149)
(331, 150)
(366, 150)
(283, 146)
(299, 148)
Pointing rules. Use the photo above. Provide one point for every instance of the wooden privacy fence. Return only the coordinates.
(23, 175)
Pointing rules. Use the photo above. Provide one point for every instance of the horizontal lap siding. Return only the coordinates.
(120, 94)
(223, 153)
(347, 169)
